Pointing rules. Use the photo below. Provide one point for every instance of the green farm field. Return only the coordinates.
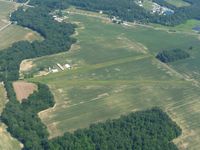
(178, 3)
(6, 141)
(114, 72)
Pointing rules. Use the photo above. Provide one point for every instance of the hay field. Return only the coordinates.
(116, 73)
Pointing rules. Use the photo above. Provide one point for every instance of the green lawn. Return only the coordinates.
(115, 72)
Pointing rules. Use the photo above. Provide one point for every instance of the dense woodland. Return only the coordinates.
(151, 129)
(168, 56)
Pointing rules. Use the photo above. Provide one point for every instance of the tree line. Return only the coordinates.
(128, 10)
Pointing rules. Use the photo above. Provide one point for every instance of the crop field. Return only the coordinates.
(6, 141)
(114, 72)
(23, 89)
(6, 8)
(178, 3)
(12, 33)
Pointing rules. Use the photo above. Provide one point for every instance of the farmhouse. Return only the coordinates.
(67, 66)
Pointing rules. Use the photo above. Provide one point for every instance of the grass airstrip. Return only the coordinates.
(114, 72)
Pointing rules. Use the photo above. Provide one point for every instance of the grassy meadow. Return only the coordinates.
(115, 72)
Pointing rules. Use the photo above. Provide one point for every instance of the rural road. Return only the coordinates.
(4, 27)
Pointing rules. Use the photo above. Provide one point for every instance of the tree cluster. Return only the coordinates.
(145, 130)
(168, 56)
(22, 118)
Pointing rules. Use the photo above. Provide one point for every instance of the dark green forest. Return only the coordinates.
(168, 56)
(151, 129)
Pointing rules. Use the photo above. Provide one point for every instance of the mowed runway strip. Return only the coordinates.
(112, 77)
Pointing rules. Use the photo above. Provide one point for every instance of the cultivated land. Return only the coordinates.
(115, 72)
(6, 141)
(23, 89)
(12, 33)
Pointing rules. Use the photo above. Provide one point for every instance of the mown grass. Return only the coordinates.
(116, 73)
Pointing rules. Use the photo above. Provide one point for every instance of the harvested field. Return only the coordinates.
(23, 89)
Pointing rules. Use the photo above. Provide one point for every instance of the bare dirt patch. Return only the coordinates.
(29, 36)
(23, 89)
(26, 65)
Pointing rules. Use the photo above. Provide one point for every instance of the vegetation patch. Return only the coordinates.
(168, 56)
(7, 142)
(151, 129)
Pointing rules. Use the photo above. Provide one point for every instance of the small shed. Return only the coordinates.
(67, 66)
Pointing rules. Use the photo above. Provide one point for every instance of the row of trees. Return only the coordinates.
(128, 10)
